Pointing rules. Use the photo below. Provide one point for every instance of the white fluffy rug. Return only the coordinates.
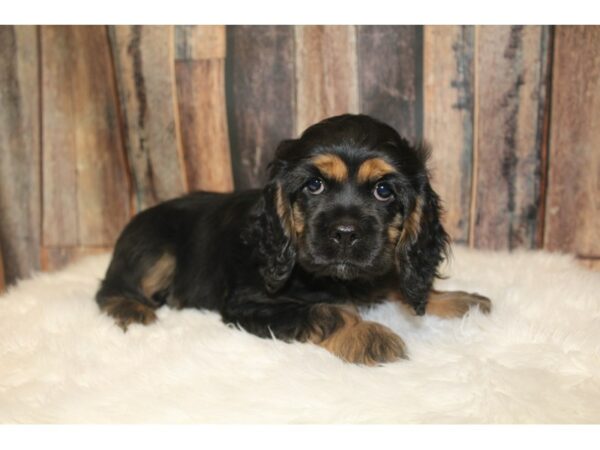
(536, 358)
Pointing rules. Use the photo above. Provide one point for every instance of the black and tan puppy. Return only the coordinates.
(347, 218)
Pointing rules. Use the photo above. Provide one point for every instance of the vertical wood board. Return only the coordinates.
(390, 67)
(573, 206)
(144, 64)
(260, 97)
(512, 78)
(85, 186)
(200, 78)
(326, 73)
(448, 82)
(20, 211)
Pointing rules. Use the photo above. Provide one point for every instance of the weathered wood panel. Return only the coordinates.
(260, 96)
(20, 212)
(193, 42)
(573, 206)
(390, 69)
(85, 186)
(200, 75)
(326, 73)
(512, 77)
(144, 64)
(448, 82)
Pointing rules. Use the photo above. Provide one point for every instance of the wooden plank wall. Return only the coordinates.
(99, 122)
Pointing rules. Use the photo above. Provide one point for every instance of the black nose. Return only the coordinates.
(344, 235)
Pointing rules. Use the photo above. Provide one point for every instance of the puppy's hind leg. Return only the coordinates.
(134, 297)
(455, 303)
(126, 309)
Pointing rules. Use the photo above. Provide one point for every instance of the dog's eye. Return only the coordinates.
(383, 191)
(315, 186)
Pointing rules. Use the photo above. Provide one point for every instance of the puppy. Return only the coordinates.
(347, 218)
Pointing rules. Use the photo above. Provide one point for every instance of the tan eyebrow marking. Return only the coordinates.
(331, 166)
(373, 169)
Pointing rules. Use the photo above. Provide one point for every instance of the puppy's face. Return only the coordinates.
(347, 189)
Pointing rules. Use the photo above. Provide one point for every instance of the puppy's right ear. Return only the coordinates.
(272, 230)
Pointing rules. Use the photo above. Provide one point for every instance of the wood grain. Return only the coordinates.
(326, 73)
(260, 97)
(85, 186)
(200, 76)
(573, 207)
(20, 217)
(390, 76)
(512, 77)
(195, 42)
(201, 96)
(144, 64)
(448, 74)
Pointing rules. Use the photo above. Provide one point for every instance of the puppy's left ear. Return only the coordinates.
(421, 247)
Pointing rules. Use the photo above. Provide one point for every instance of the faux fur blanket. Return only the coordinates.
(536, 358)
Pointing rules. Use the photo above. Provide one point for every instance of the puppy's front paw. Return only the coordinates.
(367, 343)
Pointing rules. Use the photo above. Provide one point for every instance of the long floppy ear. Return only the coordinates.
(421, 248)
(273, 236)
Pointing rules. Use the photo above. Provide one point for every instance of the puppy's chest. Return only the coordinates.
(337, 292)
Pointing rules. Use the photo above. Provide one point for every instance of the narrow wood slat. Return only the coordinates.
(20, 211)
(326, 73)
(144, 64)
(573, 206)
(194, 42)
(512, 77)
(260, 97)
(85, 186)
(202, 107)
(55, 258)
(448, 76)
(200, 76)
(390, 76)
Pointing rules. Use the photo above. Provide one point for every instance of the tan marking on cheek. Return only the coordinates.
(412, 224)
(159, 276)
(394, 228)
(331, 166)
(298, 219)
(373, 169)
(283, 211)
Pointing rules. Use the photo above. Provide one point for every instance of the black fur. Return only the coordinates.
(238, 253)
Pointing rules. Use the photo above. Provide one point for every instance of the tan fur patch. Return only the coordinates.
(394, 228)
(127, 311)
(373, 169)
(298, 220)
(412, 224)
(331, 166)
(159, 276)
(455, 303)
(283, 211)
(354, 340)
